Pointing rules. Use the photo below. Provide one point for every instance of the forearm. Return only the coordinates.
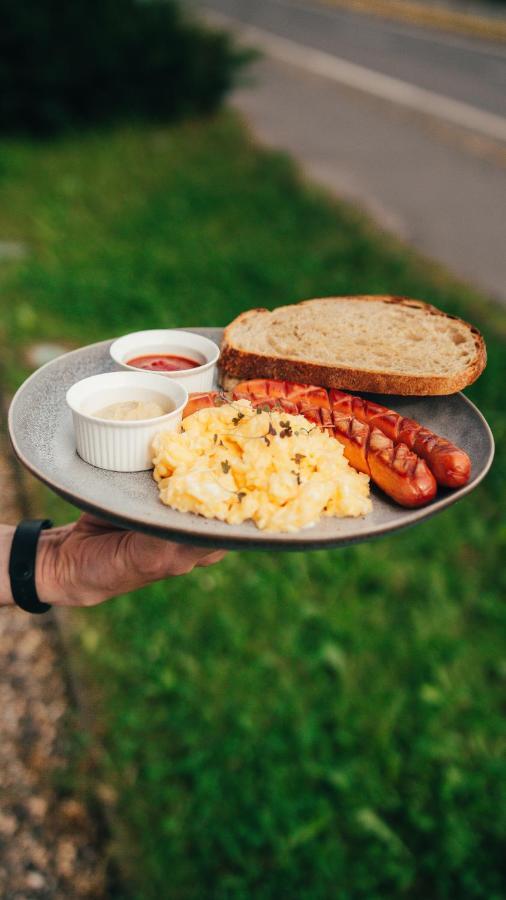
(6, 534)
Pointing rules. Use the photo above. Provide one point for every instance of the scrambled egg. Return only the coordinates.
(234, 463)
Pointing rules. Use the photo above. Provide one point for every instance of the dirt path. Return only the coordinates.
(49, 843)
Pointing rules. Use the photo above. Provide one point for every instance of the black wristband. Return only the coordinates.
(22, 565)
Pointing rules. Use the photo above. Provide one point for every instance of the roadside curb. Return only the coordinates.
(436, 17)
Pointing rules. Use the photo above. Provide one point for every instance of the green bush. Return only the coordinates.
(90, 61)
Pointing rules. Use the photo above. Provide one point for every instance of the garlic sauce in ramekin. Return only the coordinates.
(122, 445)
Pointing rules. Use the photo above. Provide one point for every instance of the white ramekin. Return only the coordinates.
(180, 343)
(115, 445)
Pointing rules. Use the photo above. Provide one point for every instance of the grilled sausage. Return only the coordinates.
(450, 465)
(398, 471)
(200, 401)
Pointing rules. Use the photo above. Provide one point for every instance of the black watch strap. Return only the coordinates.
(22, 565)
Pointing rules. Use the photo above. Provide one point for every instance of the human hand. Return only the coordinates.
(89, 561)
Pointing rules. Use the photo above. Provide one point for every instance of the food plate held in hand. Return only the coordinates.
(276, 461)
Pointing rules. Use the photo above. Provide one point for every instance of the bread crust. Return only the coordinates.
(242, 364)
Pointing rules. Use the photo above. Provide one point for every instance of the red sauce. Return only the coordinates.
(163, 362)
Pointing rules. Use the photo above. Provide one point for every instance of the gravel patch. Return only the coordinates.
(50, 844)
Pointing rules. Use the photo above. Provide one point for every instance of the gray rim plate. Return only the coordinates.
(41, 431)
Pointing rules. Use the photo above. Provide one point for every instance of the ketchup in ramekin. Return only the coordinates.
(184, 356)
(163, 362)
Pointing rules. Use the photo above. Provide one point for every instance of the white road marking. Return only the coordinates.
(368, 81)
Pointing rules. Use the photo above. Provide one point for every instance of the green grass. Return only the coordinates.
(306, 725)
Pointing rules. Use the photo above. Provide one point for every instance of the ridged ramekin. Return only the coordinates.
(122, 446)
(180, 343)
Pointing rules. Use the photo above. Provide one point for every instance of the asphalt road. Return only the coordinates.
(453, 66)
(387, 116)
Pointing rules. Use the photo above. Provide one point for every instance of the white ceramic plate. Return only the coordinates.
(40, 426)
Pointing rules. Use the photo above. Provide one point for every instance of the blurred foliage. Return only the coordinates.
(305, 725)
(89, 61)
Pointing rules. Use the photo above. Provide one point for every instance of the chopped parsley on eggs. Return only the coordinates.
(236, 463)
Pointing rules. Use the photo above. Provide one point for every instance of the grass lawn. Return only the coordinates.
(307, 725)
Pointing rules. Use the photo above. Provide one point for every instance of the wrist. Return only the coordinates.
(48, 578)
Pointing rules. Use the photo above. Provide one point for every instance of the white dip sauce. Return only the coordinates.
(131, 411)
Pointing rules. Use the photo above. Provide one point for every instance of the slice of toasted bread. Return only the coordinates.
(387, 345)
